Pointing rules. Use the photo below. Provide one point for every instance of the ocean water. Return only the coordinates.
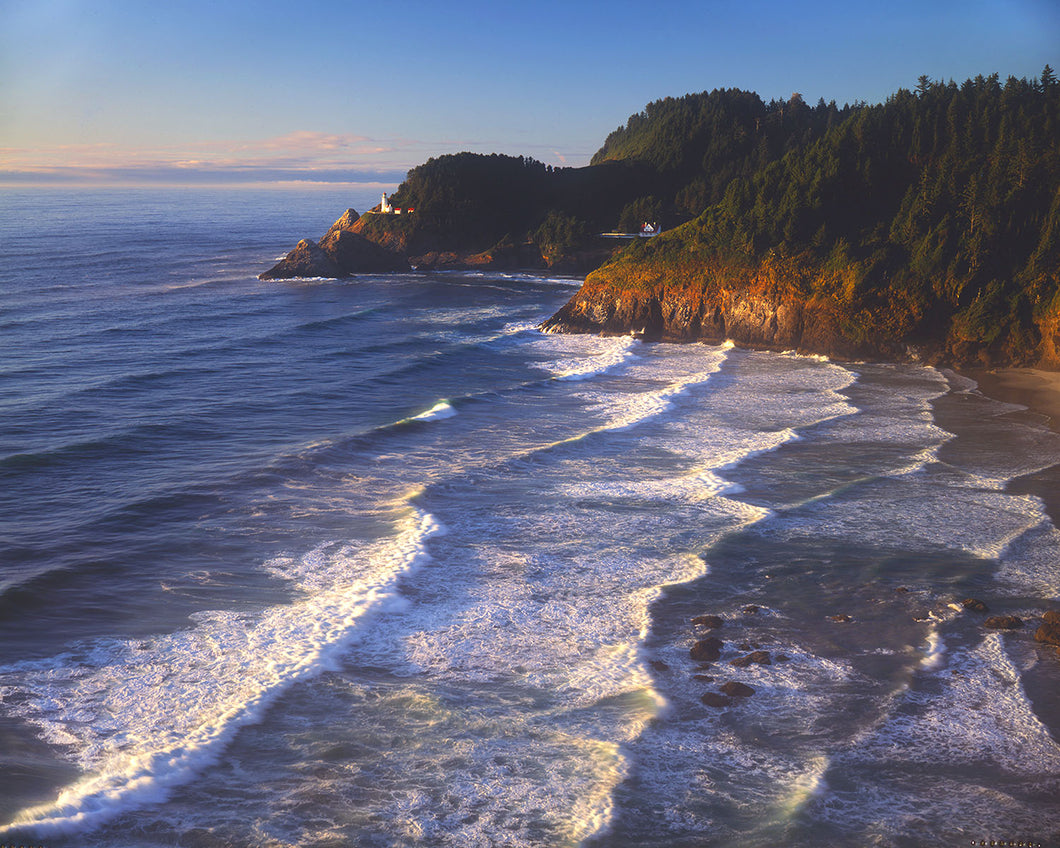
(374, 562)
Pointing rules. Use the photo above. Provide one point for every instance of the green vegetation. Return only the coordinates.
(472, 201)
(560, 235)
(698, 144)
(935, 215)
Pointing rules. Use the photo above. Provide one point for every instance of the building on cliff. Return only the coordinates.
(387, 208)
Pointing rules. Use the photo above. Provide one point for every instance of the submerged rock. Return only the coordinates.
(974, 605)
(713, 699)
(710, 622)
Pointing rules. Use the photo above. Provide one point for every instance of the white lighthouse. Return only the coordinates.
(385, 206)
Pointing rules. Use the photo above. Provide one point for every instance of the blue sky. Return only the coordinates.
(116, 91)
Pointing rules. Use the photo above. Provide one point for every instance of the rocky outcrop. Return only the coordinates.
(1049, 631)
(753, 658)
(757, 309)
(706, 650)
(735, 689)
(503, 256)
(374, 243)
(355, 254)
(307, 259)
(715, 699)
(1003, 622)
(342, 252)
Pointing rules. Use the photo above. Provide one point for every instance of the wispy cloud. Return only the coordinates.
(298, 156)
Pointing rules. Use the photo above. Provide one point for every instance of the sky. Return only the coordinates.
(315, 92)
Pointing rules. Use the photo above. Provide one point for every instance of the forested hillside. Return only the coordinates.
(697, 144)
(471, 201)
(928, 225)
(931, 218)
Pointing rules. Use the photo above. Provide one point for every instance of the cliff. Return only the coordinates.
(341, 252)
(766, 307)
(926, 227)
(677, 293)
(375, 243)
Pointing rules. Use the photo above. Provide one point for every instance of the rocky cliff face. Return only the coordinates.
(757, 310)
(342, 252)
(371, 244)
(779, 302)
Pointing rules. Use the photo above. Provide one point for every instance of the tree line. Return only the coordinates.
(941, 205)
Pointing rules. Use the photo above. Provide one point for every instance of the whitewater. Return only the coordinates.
(376, 562)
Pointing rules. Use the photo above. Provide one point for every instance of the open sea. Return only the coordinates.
(374, 562)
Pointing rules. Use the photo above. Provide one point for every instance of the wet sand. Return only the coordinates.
(1037, 390)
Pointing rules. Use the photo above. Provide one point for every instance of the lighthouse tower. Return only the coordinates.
(385, 206)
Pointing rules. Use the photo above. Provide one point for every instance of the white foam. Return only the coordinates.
(442, 409)
(514, 787)
(517, 327)
(980, 714)
(642, 406)
(575, 637)
(934, 651)
(181, 698)
(594, 356)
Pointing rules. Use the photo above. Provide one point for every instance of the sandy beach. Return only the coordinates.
(1039, 392)
(1035, 389)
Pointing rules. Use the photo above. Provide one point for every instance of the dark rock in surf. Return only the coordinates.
(659, 665)
(1003, 622)
(975, 605)
(1049, 631)
(737, 690)
(753, 658)
(710, 622)
(706, 650)
(713, 699)
(842, 618)
(751, 609)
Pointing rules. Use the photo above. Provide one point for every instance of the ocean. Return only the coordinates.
(374, 562)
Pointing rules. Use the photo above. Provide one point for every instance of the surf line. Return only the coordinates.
(218, 677)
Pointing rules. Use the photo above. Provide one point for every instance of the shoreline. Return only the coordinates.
(1033, 388)
(1038, 392)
